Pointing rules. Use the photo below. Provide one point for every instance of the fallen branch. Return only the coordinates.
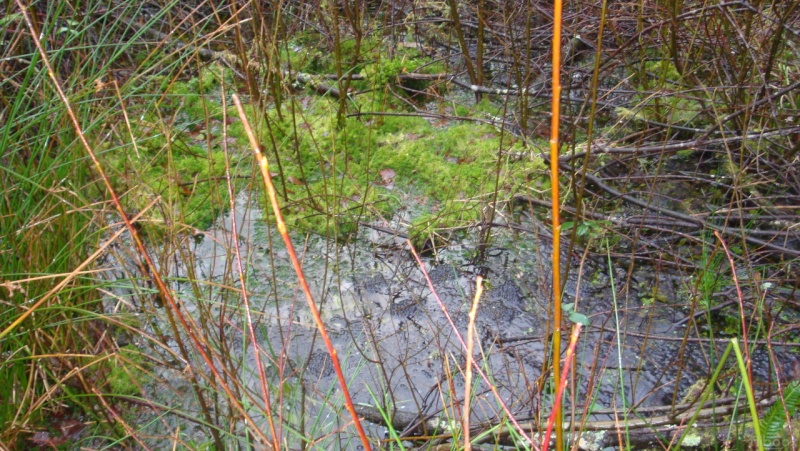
(697, 221)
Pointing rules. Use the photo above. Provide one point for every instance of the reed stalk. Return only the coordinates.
(562, 384)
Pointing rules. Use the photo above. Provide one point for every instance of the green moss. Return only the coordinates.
(454, 163)
(669, 109)
(306, 54)
(405, 124)
(462, 111)
(663, 69)
(327, 178)
(434, 229)
(447, 166)
(691, 440)
(379, 71)
(671, 105)
(182, 162)
(488, 107)
(125, 371)
(303, 52)
(383, 71)
(436, 67)
(423, 232)
(211, 75)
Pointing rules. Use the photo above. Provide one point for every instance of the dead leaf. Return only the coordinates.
(387, 175)
(99, 86)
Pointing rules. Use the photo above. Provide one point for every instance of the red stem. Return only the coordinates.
(561, 386)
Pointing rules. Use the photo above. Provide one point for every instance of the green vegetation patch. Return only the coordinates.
(327, 177)
(175, 167)
(352, 173)
(125, 371)
(668, 104)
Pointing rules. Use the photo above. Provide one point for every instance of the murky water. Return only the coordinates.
(400, 351)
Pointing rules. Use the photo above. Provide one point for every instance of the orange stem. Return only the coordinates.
(473, 312)
(554, 153)
(263, 164)
(262, 377)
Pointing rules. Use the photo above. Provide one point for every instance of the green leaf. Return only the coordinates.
(775, 419)
(579, 318)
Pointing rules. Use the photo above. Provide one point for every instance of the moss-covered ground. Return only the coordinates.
(328, 176)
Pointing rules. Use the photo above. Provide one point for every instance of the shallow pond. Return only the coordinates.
(398, 348)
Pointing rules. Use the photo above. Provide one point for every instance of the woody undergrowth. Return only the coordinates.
(162, 134)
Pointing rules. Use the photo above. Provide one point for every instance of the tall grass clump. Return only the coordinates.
(63, 369)
(51, 220)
